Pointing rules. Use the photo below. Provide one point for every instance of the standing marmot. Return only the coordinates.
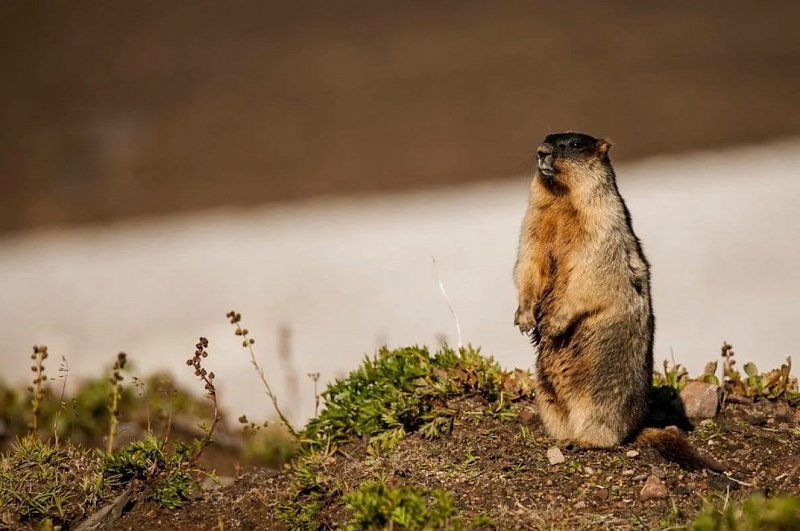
(584, 296)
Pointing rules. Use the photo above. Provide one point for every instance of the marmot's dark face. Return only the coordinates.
(562, 153)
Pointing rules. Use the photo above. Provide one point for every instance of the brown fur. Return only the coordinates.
(583, 288)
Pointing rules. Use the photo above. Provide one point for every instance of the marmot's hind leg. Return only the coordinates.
(555, 418)
(591, 429)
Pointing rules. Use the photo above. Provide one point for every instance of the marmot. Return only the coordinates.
(584, 297)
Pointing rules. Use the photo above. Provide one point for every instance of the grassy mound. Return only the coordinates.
(411, 439)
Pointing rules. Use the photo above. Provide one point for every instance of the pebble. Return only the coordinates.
(658, 472)
(555, 456)
(632, 453)
(580, 505)
(653, 488)
(210, 484)
(589, 470)
(627, 472)
(721, 483)
(601, 494)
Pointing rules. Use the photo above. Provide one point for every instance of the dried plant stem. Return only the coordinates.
(64, 370)
(247, 342)
(112, 432)
(449, 303)
(37, 392)
(196, 361)
(315, 377)
(116, 393)
(207, 438)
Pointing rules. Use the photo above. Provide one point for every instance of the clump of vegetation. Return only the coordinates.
(406, 390)
(310, 490)
(392, 394)
(757, 512)
(675, 376)
(166, 469)
(777, 383)
(753, 385)
(84, 418)
(163, 470)
(267, 444)
(376, 505)
(40, 480)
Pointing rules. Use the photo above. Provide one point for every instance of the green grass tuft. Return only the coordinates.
(39, 481)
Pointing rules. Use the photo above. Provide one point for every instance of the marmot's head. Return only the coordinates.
(569, 160)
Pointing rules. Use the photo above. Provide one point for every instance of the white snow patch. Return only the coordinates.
(720, 229)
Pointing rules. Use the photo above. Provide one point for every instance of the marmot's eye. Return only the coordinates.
(575, 144)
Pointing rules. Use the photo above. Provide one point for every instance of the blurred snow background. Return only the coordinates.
(344, 276)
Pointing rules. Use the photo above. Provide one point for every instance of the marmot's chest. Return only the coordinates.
(559, 237)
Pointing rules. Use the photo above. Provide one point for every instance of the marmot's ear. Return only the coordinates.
(604, 145)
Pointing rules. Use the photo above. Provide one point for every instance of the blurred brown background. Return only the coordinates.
(116, 109)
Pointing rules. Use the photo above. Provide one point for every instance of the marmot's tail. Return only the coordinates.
(674, 446)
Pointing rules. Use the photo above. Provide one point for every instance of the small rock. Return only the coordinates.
(632, 453)
(210, 484)
(720, 482)
(589, 470)
(700, 400)
(640, 477)
(555, 456)
(526, 415)
(658, 472)
(580, 505)
(601, 494)
(653, 488)
(627, 472)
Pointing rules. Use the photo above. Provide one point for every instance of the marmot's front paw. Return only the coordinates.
(523, 318)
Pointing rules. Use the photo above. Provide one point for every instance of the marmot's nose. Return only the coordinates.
(544, 149)
(544, 156)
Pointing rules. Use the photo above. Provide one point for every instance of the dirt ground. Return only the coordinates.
(133, 109)
(499, 469)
